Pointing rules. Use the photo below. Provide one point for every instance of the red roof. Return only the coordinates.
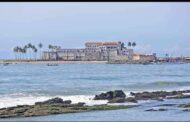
(102, 43)
(110, 43)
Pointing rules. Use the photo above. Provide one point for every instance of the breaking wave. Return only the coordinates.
(23, 99)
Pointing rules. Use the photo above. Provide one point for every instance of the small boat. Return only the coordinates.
(52, 64)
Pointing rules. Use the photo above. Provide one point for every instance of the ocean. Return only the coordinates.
(28, 83)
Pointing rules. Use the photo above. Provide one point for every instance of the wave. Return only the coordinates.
(167, 84)
(8, 100)
(23, 99)
(30, 99)
(157, 85)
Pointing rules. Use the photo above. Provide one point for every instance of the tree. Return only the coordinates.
(35, 52)
(40, 46)
(34, 49)
(129, 44)
(26, 48)
(24, 51)
(122, 46)
(15, 50)
(19, 49)
(133, 44)
(50, 47)
(29, 47)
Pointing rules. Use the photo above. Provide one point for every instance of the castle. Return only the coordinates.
(95, 51)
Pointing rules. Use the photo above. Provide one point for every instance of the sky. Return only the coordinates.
(155, 27)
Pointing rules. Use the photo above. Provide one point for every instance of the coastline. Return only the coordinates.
(115, 99)
(52, 62)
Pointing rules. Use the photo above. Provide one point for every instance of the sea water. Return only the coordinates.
(28, 83)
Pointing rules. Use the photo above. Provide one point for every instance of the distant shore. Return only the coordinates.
(51, 62)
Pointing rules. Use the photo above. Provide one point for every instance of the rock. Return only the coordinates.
(131, 99)
(158, 99)
(160, 109)
(178, 97)
(166, 105)
(186, 110)
(54, 101)
(159, 95)
(184, 105)
(110, 95)
(49, 109)
(133, 94)
(117, 100)
(80, 104)
(67, 102)
(119, 93)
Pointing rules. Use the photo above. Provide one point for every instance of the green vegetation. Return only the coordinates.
(40, 110)
(21, 53)
(133, 44)
(184, 105)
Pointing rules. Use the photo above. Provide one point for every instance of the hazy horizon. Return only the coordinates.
(155, 27)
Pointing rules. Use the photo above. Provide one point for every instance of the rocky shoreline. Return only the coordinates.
(55, 106)
(60, 106)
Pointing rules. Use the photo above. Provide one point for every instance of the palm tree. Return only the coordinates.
(122, 46)
(35, 52)
(50, 47)
(30, 47)
(129, 44)
(134, 44)
(19, 52)
(25, 50)
(15, 50)
(40, 46)
(34, 49)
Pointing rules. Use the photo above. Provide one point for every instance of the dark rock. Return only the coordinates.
(184, 105)
(110, 95)
(117, 100)
(160, 109)
(158, 99)
(166, 105)
(54, 101)
(133, 94)
(80, 104)
(178, 97)
(131, 99)
(160, 95)
(67, 102)
(186, 110)
(119, 93)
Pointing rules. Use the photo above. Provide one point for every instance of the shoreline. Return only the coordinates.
(53, 62)
(7, 62)
(59, 106)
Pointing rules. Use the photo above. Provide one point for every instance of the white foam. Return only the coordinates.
(22, 99)
(9, 101)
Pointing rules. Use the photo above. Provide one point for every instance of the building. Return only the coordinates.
(144, 57)
(93, 51)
